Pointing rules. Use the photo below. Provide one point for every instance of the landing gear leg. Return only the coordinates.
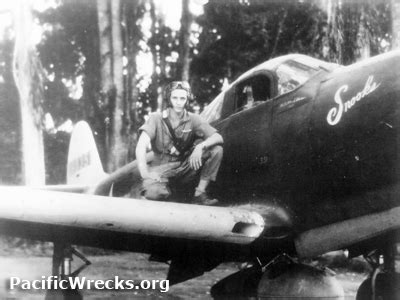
(62, 270)
(384, 281)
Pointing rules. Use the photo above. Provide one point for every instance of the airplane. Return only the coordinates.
(315, 141)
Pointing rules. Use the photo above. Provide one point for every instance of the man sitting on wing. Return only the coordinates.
(185, 146)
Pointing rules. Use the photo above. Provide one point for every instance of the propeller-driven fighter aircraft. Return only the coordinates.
(318, 141)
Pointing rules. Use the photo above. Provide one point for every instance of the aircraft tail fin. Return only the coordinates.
(84, 165)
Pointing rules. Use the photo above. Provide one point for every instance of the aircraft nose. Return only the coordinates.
(356, 124)
(363, 94)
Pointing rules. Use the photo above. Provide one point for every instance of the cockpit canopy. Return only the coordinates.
(266, 81)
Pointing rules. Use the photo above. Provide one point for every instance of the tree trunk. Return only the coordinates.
(158, 72)
(395, 8)
(112, 80)
(131, 45)
(28, 76)
(118, 146)
(363, 50)
(326, 47)
(332, 43)
(158, 51)
(93, 102)
(284, 14)
(184, 42)
(106, 71)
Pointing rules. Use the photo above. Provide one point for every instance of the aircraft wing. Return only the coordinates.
(207, 235)
(204, 234)
(125, 215)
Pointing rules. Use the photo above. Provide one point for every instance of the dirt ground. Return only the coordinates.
(130, 266)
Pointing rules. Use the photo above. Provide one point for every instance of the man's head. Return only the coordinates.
(178, 94)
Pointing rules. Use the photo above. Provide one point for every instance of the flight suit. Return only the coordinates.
(172, 166)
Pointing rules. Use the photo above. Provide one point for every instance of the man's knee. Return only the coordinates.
(217, 151)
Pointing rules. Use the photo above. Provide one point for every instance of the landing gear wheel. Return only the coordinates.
(387, 287)
(384, 281)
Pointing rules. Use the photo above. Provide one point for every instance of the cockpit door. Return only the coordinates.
(246, 128)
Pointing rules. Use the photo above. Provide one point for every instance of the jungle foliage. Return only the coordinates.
(90, 52)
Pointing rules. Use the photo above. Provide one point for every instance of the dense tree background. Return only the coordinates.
(236, 37)
(92, 52)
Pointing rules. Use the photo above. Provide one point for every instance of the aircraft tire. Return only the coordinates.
(299, 281)
(282, 280)
(387, 287)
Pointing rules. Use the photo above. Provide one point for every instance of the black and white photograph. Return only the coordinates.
(200, 149)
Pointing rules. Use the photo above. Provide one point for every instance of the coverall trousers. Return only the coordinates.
(179, 174)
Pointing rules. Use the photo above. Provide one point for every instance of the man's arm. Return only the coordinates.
(141, 147)
(195, 161)
(214, 139)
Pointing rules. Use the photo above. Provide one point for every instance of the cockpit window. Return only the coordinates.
(252, 91)
(291, 74)
(246, 94)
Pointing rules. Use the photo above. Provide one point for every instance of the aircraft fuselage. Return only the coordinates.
(327, 149)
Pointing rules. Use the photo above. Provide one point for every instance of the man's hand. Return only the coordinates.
(195, 158)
